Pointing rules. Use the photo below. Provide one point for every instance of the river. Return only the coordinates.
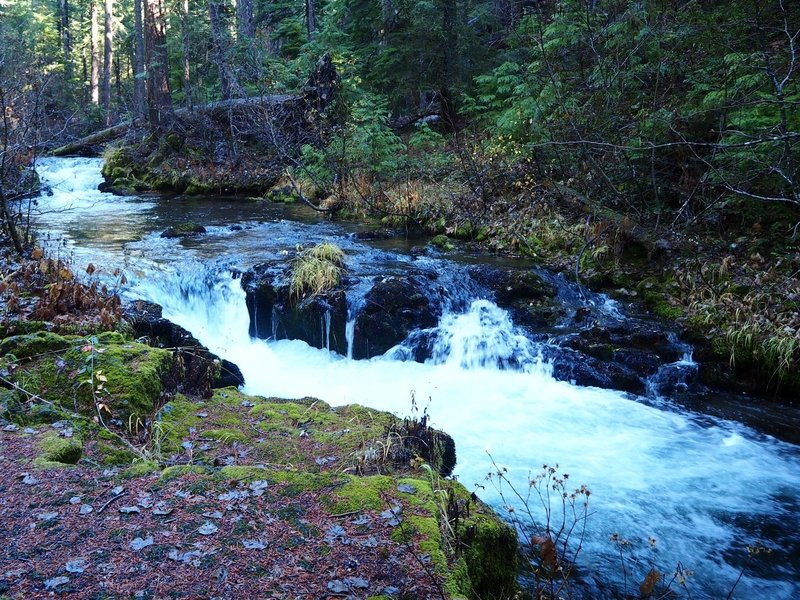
(704, 487)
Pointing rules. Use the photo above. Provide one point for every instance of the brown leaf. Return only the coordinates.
(37, 254)
(547, 550)
(649, 584)
(90, 269)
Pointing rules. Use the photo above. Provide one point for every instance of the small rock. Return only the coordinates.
(139, 543)
(247, 404)
(324, 460)
(60, 424)
(67, 432)
(51, 584)
(338, 587)
(162, 509)
(78, 565)
(213, 515)
(356, 582)
(187, 445)
(362, 520)
(145, 501)
(202, 415)
(75, 500)
(370, 542)
(11, 427)
(47, 516)
(406, 488)
(207, 529)
(254, 544)
(30, 430)
(392, 516)
(28, 479)
(391, 591)
(129, 510)
(258, 487)
(85, 509)
(116, 491)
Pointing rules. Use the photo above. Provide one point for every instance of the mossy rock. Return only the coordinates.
(126, 376)
(55, 449)
(443, 243)
(187, 229)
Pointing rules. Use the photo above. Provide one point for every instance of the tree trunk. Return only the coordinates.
(66, 36)
(245, 26)
(187, 81)
(139, 94)
(227, 78)
(159, 99)
(94, 41)
(311, 19)
(108, 58)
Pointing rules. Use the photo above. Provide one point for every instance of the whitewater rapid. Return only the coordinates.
(704, 488)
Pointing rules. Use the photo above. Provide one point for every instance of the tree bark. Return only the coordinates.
(187, 74)
(66, 36)
(94, 42)
(108, 58)
(228, 82)
(245, 25)
(159, 99)
(311, 19)
(139, 93)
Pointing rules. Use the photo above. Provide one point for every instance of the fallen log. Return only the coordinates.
(215, 108)
(99, 137)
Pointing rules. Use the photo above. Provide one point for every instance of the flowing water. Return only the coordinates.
(704, 487)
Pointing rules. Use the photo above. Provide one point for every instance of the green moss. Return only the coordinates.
(173, 422)
(489, 552)
(227, 436)
(34, 344)
(177, 471)
(361, 493)
(115, 454)
(21, 327)
(140, 468)
(294, 482)
(57, 449)
(126, 376)
(443, 243)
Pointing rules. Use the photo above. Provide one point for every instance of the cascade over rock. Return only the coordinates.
(203, 370)
(393, 308)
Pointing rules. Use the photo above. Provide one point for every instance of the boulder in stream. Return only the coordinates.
(393, 308)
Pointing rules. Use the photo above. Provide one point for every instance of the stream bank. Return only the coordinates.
(188, 474)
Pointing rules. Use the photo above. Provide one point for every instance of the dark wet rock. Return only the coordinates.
(189, 229)
(393, 308)
(511, 285)
(570, 365)
(371, 235)
(259, 284)
(640, 362)
(202, 370)
(528, 298)
(319, 320)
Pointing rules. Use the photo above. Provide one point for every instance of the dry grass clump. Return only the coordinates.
(317, 270)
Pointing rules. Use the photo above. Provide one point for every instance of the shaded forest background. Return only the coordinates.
(654, 145)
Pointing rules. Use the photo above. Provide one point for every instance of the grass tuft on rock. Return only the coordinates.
(317, 270)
